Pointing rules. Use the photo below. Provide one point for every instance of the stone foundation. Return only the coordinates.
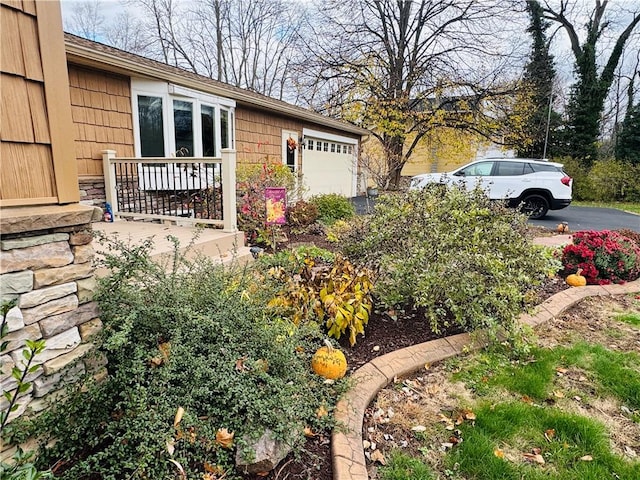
(46, 268)
(92, 191)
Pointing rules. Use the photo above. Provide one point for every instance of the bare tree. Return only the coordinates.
(86, 20)
(405, 67)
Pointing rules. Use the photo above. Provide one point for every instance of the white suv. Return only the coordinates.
(535, 186)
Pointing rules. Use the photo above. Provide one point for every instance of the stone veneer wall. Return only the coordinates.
(50, 275)
(92, 191)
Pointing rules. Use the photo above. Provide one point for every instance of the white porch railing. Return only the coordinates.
(179, 189)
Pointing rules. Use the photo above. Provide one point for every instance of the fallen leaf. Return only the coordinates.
(549, 434)
(558, 394)
(224, 438)
(469, 415)
(561, 371)
(377, 456)
(433, 389)
(536, 450)
(165, 349)
(498, 453)
(419, 428)
(534, 458)
(180, 469)
(178, 418)
(366, 444)
(446, 445)
(427, 366)
(240, 366)
(586, 458)
(454, 440)
(171, 446)
(321, 412)
(308, 432)
(527, 399)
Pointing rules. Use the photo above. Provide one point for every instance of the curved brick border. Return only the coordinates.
(347, 454)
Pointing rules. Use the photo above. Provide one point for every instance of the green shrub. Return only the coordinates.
(333, 207)
(615, 180)
(190, 335)
(455, 255)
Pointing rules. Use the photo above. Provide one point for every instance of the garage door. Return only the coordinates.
(329, 164)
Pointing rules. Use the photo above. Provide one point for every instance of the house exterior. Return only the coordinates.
(138, 107)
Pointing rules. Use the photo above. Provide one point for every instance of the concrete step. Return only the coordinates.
(223, 247)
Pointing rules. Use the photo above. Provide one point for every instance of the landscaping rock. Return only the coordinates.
(263, 454)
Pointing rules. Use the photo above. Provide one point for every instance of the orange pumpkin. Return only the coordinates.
(329, 362)
(576, 279)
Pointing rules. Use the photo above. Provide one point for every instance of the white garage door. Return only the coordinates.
(329, 164)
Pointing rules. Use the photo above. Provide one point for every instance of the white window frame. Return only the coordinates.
(170, 92)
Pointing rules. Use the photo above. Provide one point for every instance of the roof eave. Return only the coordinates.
(93, 58)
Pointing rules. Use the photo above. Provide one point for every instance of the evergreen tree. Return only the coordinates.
(537, 90)
(591, 88)
(628, 144)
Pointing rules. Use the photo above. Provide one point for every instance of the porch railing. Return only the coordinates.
(178, 189)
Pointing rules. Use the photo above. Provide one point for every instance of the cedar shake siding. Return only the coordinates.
(259, 134)
(101, 110)
(27, 161)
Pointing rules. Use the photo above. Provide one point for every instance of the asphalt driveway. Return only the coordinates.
(578, 218)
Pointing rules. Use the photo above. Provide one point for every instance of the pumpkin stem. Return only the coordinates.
(579, 271)
(328, 344)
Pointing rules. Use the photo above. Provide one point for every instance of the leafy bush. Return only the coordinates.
(605, 257)
(339, 295)
(252, 180)
(192, 336)
(302, 214)
(333, 207)
(607, 180)
(455, 255)
(615, 180)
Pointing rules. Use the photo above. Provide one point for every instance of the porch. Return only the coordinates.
(222, 247)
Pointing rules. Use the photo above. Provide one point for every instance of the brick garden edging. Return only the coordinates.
(347, 453)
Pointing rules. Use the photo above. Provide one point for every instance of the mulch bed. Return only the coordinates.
(386, 335)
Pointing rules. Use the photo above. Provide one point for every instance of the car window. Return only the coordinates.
(504, 169)
(481, 169)
(540, 167)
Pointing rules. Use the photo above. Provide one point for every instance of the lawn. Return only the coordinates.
(569, 409)
(633, 207)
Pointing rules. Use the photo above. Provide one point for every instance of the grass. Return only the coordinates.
(633, 207)
(630, 318)
(525, 408)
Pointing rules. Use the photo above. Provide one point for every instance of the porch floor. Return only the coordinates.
(221, 246)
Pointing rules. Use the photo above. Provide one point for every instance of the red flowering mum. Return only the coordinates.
(604, 257)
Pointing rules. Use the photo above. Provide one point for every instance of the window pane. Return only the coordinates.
(224, 128)
(509, 169)
(310, 145)
(151, 126)
(319, 146)
(208, 117)
(183, 123)
(326, 146)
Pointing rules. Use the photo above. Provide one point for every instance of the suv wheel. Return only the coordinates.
(535, 206)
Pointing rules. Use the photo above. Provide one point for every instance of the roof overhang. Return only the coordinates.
(116, 61)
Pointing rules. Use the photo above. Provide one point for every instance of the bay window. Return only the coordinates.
(171, 120)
